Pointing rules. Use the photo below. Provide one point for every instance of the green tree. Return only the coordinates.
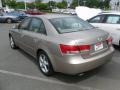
(51, 4)
(38, 1)
(62, 4)
(74, 3)
(92, 3)
(42, 6)
(107, 3)
(20, 5)
(11, 3)
(89, 3)
(31, 5)
(3, 3)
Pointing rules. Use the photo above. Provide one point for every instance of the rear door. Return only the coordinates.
(32, 36)
(22, 32)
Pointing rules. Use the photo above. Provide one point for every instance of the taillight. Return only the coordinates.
(73, 49)
(69, 49)
(109, 41)
(84, 48)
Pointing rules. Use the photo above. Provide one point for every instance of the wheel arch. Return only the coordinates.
(50, 57)
(8, 18)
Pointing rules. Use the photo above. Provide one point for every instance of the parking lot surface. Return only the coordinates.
(19, 71)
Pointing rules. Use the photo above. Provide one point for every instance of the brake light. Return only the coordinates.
(109, 41)
(69, 49)
(84, 48)
(72, 49)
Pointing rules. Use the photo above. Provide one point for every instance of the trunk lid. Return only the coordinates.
(95, 38)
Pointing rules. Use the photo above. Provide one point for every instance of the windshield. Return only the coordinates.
(70, 24)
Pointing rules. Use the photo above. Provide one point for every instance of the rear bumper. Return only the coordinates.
(74, 65)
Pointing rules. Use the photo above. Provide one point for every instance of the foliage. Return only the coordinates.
(3, 3)
(42, 6)
(74, 3)
(62, 4)
(107, 3)
(38, 1)
(30, 5)
(11, 3)
(20, 5)
(91, 3)
(51, 4)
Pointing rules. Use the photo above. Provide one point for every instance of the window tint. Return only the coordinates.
(96, 19)
(37, 25)
(70, 24)
(113, 19)
(24, 24)
(42, 28)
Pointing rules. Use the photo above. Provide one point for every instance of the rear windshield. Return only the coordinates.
(70, 24)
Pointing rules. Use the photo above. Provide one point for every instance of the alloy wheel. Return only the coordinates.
(9, 21)
(44, 64)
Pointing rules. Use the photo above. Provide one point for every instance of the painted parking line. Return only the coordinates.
(45, 80)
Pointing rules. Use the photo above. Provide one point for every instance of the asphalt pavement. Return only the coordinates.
(19, 71)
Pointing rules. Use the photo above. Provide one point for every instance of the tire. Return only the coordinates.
(44, 64)
(9, 20)
(119, 44)
(12, 43)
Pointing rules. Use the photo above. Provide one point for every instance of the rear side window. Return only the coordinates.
(42, 29)
(37, 26)
(24, 24)
(113, 19)
(97, 19)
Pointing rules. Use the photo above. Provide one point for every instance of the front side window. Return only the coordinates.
(113, 19)
(70, 24)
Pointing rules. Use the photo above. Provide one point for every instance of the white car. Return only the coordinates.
(110, 22)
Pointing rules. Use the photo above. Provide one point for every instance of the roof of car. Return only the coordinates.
(50, 16)
(111, 12)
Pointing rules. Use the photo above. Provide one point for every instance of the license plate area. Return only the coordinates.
(98, 46)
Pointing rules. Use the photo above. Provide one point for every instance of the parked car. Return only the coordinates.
(34, 12)
(4, 17)
(62, 43)
(19, 14)
(110, 22)
(69, 12)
